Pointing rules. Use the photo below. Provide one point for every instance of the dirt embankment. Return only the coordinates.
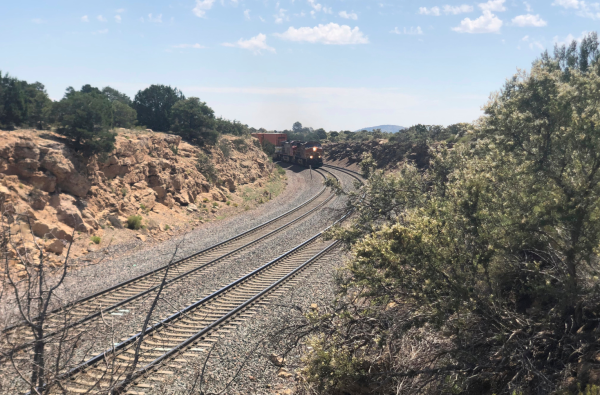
(150, 174)
(387, 155)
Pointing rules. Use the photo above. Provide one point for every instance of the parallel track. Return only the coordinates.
(110, 299)
(194, 329)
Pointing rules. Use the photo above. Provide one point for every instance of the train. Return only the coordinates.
(304, 153)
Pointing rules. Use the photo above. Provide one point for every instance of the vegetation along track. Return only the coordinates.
(118, 296)
(192, 331)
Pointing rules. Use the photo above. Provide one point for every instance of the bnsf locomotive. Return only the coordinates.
(299, 152)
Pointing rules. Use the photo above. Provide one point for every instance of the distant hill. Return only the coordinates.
(384, 128)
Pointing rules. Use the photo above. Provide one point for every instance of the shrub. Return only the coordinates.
(96, 239)
(167, 227)
(124, 191)
(174, 149)
(240, 145)
(224, 147)
(194, 121)
(228, 203)
(134, 222)
(206, 168)
(280, 170)
(268, 148)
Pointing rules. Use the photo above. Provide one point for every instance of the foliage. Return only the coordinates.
(240, 145)
(123, 115)
(225, 148)
(154, 106)
(134, 222)
(207, 168)
(114, 95)
(85, 118)
(23, 104)
(96, 239)
(268, 148)
(280, 170)
(236, 128)
(486, 260)
(194, 121)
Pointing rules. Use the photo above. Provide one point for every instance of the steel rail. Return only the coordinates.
(157, 270)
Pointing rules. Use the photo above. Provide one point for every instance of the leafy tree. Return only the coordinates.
(236, 128)
(321, 133)
(39, 105)
(114, 95)
(85, 118)
(13, 101)
(87, 88)
(297, 128)
(123, 115)
(193, 120)
(154, 105)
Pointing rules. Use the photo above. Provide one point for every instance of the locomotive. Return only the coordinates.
(303, 153)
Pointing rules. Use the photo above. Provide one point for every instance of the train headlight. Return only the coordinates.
(311, 157)
(315, 149)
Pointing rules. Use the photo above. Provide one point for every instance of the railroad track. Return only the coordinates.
(159, 351)
(114, 298)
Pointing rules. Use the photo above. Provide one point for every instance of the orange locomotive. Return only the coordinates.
(303, 153)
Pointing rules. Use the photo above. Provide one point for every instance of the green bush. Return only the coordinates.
(206, 168)
(134, 222)
(167, 227)
(124, 191)
(96, 239)
(240, 145)
(280, 170)
(224, 147)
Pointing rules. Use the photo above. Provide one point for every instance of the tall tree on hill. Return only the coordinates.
(13, 101)
(193, 120)
(154, 105)
(39, 105)
(86, 119)
(114, 95)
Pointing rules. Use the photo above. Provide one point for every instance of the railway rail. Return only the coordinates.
(114, 298)
(195, 328)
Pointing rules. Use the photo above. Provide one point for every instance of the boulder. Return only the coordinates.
(56, 246)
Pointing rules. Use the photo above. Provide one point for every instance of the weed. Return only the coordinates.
(223, 145)
(134, 222)
(235, 204)
(96, 239)
(215, 204)
(174, 149)
(167, 227)
(280, 170)
(143, 207)
(21, 185)
(205, 200)
(240, 145)
(246, 208)
(228, 203)
(124, 191)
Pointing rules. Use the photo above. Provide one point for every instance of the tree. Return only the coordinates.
(154, 105)
(85, 118)
(236, 128)
(193, 120)
(13, 101)
(114, 95)
(297, 127)
(321, 133)
(123, 115)
(39, 105)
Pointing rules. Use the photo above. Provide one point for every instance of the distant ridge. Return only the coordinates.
(384, 128)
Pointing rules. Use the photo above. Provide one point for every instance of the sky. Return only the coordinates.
(336, 64)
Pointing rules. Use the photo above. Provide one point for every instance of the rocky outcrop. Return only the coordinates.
(63, 193)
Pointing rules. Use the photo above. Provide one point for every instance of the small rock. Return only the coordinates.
(192, 207)
(251, 378)
(141, 237)
(314, 306)
(284, 374)
(56, 246)
(92, 248)
(276, 360)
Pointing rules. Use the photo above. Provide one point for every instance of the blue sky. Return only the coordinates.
(337, 64)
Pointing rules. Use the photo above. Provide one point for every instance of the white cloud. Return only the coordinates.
(195, 46)
(202, 6)
(429, 11)
(103, 31)
(586, 10)
(331, 34)
(118, 18)
(281, 16)
(529, 20)
(569, 39)
(261, 19)
(487, 23)
(156, 19)
(101, 18)
(85, 18)
(533, 44)
(255, 44)
(318, 7)
(493, 6)
(347, 15)
(568, 3)
(459, 9)
(247, 15)
(410, 31)
(527, 7)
